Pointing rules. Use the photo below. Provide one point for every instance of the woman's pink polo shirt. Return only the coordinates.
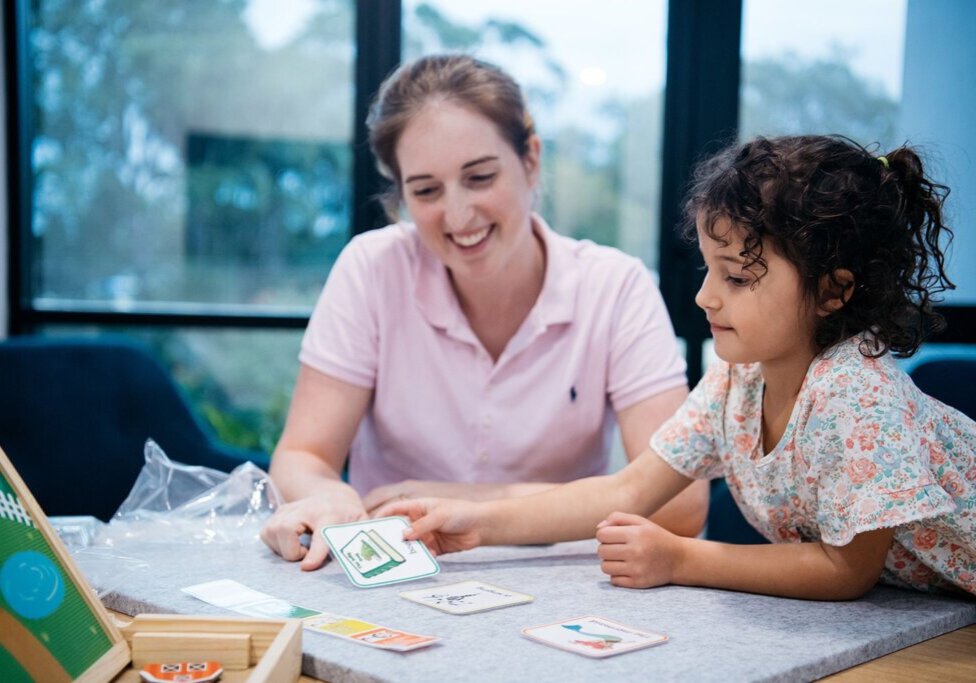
(597, 340)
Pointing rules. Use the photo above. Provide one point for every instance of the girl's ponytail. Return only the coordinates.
(919, 212)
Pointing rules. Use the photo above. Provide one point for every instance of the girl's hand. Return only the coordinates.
(636, 552)
(445, 526)
(283, 531)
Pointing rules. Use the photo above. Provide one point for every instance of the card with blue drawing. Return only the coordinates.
(467, 597)
(373, 553)
(593, 636)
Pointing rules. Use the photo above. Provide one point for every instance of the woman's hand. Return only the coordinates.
(445, 526)
(636, 552)
(282, 533)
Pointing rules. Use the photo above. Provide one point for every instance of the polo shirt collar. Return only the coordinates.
(434, 295)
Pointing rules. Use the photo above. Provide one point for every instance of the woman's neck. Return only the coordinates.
(496, 306)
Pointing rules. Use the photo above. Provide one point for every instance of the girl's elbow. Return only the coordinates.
(855, 584)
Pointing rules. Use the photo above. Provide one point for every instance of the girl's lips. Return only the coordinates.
(718, 328)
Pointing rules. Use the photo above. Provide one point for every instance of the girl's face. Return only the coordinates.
(467, 190)
(767, 319)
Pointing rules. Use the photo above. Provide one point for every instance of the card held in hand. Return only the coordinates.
(373, 553)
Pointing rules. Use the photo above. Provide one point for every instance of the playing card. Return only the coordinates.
(593, 636)
(466, 597)
(373, 553)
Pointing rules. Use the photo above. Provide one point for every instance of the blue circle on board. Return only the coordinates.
(31, 584)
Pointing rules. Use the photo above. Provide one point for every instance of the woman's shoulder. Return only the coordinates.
(396, 239)
(391, 249)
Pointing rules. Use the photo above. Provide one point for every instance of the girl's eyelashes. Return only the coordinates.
(737, 281)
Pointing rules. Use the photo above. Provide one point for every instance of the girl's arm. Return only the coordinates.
(684, 514)
(563, 513)
(637, 553)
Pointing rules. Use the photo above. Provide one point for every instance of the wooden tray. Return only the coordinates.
(252, 650)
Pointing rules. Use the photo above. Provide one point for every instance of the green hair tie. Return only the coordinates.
(884, 162)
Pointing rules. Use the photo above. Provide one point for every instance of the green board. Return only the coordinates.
(49, 628)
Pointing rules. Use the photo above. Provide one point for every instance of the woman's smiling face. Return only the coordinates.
(469, 193)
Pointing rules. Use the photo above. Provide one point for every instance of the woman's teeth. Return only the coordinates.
(472, 238)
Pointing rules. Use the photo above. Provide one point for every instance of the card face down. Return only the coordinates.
(373, 553)
(593, 636)
(466, 597)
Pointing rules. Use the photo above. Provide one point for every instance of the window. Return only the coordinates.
(188, 152)
(190, 160)
(595, 92)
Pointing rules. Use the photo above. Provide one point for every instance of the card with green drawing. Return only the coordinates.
(373, 553)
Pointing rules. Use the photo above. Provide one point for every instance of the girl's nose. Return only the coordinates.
(704, 299)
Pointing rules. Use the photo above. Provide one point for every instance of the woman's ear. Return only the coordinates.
(532, 159)
(835, 291)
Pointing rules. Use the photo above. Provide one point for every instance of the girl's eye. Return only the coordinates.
(737, 281)
(482, 178)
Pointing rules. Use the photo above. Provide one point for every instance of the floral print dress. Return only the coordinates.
(864, 449)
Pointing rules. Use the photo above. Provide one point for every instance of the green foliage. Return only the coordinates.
(789, 95)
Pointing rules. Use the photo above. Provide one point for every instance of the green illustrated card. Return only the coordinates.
(373, 552)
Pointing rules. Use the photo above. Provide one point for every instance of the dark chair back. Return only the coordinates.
(75, 414)
(950, 380)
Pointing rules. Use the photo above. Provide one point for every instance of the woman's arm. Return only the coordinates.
(637, 553)
(307, 464)
(685, 514)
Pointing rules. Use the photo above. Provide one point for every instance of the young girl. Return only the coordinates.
(821, 261)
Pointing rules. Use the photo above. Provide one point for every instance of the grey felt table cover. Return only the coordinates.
(714, 635)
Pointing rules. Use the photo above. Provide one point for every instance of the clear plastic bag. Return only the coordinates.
(177, 504)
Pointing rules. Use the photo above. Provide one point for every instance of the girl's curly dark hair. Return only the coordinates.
(827, 203)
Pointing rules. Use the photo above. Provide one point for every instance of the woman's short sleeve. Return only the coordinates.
(691, 440)
(341, 339)
(868, 457)
(644, 358)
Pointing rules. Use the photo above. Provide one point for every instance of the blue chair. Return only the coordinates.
(75, 414)
(950, 380)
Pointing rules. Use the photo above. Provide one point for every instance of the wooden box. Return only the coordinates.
(252, 650)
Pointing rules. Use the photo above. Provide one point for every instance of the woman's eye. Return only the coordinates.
(738, 281)
(482, 178)
(424, 191)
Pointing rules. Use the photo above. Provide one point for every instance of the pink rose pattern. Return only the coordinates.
(864, 449)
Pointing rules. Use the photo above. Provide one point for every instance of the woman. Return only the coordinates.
(473, 353)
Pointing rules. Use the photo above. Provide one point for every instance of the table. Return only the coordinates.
(715, 635)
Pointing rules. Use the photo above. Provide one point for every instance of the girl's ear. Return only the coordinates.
(835, 291)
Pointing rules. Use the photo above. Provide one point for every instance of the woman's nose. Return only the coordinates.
(458, 210)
